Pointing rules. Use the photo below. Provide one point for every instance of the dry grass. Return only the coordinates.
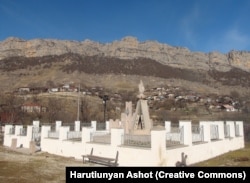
(236, 158)
(22, 167)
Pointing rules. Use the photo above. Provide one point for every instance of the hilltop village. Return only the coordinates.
(167, 98)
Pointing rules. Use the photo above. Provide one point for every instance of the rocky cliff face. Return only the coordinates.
(128, 48)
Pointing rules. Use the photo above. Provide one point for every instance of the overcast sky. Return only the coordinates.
(199, 25)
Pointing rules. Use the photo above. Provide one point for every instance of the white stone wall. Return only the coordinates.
(22, 141)
(156, 155)
(7, 136)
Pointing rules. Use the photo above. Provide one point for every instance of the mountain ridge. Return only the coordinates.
(128, 48)
(41, 61)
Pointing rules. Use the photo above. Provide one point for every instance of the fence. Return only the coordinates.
(237, 130)
(85, 124)
(100, 137)
(227, 131)
(197, 134)
(214, 132)
(23, 132)
(74, 135)
(175, 136)
(137, 140)
(53, 134)
(12, 130)
(135, 149)
(100, 126)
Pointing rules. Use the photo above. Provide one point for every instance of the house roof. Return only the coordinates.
(31, 104)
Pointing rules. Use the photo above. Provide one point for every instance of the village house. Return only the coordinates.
(23, 90)
(33, 107)
(34, 90)
(53, 90)
(229, 108)
(68, 88)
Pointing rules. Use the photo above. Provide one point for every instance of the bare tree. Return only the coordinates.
(85, 110)
(54, 109)
(11, 108)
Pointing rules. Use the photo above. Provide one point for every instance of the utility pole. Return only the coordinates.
(78, 104)
(105, 98)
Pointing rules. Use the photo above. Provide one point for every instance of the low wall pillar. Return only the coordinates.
(187, 132)
(7, 129)
(58, 125)
(93, 125)
(107, 126)
(29, 132)
(44, 134)
(158, 146)
(77, 126)
(36, 123)
(7, 135)
(116, 136)
(63, 132)
(44, 131)
(168, 126)
(86, 134)
(206, 131)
